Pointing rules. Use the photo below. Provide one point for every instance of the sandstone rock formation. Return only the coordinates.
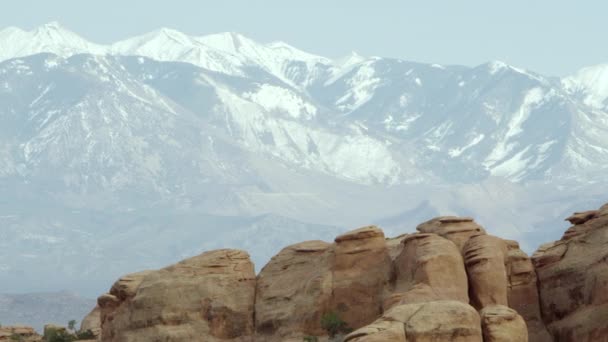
(92, 322)
(293, 291)
(456, 229)
(209, 297)
(427, 321)
(450, 281)
(522, 292)
(573, 280)
(307, 280)
(429, 267)
(361, 268)
(484, 257)
(19, 333)
(502, 324)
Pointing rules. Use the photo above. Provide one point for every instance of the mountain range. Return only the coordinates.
(127, 156)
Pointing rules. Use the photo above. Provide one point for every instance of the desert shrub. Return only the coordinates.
(333, 324)
(85, 335)
(59, 336)
(311, 339)
(16, 337)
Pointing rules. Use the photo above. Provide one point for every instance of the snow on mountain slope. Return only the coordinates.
(51, 38)
(592, 84)
(87, 121)
(228, 53)
(273, 98)
(289, 64)
(118, 131)
(170, 45)
(494, 119)
(346, 152)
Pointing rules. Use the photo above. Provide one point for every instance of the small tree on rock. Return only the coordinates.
(72, 325)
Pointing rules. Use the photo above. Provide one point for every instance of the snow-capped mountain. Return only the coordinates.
(107, 152)
(51, 38)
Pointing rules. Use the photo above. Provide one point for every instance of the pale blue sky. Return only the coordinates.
(552, 37)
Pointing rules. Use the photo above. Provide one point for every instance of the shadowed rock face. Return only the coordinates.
(522, 292)
(449, 282)
(573, 280)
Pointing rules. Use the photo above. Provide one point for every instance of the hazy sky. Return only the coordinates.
(552, 37)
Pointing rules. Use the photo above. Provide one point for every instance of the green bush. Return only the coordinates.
(311, 339)
(59, 336)
(15, 337)
(72, 325)
(85, 335)
(333, 324)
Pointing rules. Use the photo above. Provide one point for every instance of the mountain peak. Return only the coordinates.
(226, 41)
(53, 28)
(350, 59)
(496, 66)
(52, 25)
(175, 35)
(51, 37)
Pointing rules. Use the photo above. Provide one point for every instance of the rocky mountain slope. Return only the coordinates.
(450, 281)
(146, 151)
(202, 93)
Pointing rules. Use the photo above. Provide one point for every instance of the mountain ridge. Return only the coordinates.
(94, 146)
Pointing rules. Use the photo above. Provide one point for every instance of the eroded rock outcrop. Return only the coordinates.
(293, 290)
(429, 267)
(502, 324)
(454, 228)
(484, 257)
(19, 333)
(92, 323)
(573, 280)
(450, 281)
(427, 321)
(361, 269)
(307, 280)
(522, 293)
(209, 297)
